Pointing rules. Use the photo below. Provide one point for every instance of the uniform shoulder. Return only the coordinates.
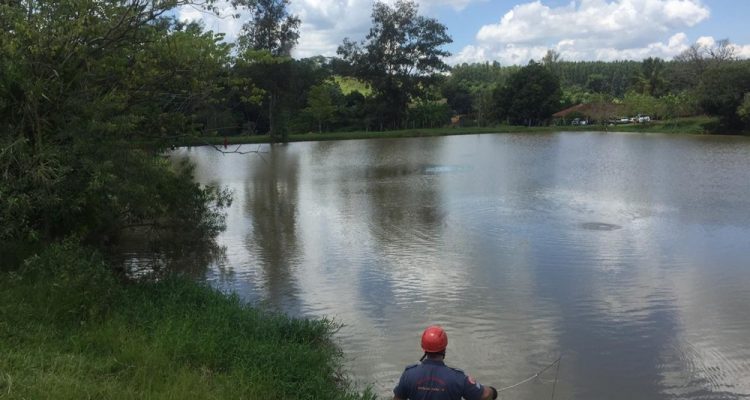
(408, 367)
(460, 371)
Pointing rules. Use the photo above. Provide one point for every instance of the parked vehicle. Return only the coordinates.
(579, 121)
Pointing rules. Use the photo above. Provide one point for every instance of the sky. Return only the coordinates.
(514, 32)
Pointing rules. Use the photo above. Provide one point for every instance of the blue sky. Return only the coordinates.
(728, 19)
(514, 31)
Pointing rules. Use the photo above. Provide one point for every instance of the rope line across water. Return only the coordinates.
(532, 376)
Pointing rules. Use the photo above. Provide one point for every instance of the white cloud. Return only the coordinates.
(325, 23)
(606, 21)
(581, 30)
(589, 29)
(223, 23)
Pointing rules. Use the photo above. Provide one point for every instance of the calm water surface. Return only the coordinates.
(627, 254)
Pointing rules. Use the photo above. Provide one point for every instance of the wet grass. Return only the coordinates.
(68, 330)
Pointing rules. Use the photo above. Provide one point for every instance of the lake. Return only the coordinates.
(626, 254)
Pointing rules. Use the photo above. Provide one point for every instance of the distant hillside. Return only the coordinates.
(349, 85)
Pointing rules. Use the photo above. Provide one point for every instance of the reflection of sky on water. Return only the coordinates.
(495, 237)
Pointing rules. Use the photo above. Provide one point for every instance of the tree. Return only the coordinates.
(552, 57)
(265, 44)
(641, 104)
(597, 83)
(651, 78)
(459, 97)
(78, 80)
(691, 64)
(320, 102)
(483, 105)
(722, 92)
(269, 28)
(552, 61)
(530, 96)
(399, 57)
(744, 109)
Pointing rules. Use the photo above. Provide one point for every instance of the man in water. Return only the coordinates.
(431, 379)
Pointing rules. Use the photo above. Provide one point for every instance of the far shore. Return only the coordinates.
(692, 126)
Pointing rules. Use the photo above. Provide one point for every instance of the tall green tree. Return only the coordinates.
(270, 27)
(651, 78)
(529, 97)
(399, 58)
(722, 92)
(265, 45)
(744, 109)
(320, 102)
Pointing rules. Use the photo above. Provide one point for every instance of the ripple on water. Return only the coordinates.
(600, 226)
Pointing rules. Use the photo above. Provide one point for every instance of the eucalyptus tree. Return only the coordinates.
(400, 56)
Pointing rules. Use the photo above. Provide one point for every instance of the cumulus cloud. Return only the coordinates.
(620, 21)
(325, 23)
(580, 30)
(588, 30)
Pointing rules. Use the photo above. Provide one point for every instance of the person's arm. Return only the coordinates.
(490, 393)
(475, 391)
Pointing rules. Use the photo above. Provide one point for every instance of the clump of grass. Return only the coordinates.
(69, 330)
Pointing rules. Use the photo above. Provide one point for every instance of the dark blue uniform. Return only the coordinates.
(433, 380)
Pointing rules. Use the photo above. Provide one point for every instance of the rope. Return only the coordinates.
(556, 362)
(557, 371)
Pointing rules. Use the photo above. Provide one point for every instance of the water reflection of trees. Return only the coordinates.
(271, 195)
(402, 194)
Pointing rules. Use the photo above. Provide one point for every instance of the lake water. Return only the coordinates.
(626, 254)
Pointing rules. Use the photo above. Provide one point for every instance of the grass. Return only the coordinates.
(349, 85)
(69, 330)
(692, 125)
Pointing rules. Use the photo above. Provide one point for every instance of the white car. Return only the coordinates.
(643, 118)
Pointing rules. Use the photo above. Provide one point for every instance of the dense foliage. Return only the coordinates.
(79, 81)
(529, 97)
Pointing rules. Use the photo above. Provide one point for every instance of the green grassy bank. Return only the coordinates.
(692, 125)
(70, 330)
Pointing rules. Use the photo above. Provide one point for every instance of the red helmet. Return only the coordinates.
(434, 339)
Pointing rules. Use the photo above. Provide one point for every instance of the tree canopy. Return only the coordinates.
(529, 97)
(400, 56)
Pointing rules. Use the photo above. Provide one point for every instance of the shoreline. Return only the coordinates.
(688, 126)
